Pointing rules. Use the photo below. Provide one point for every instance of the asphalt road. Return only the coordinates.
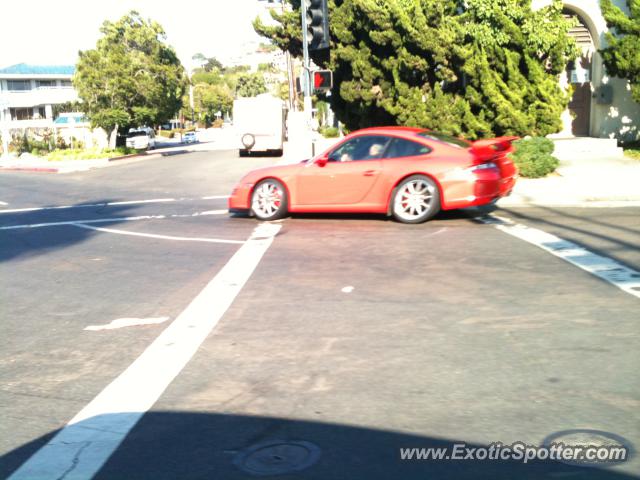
(354, 336)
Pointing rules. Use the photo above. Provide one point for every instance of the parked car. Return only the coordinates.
(409, 173)
(141, 138)
(189, 137)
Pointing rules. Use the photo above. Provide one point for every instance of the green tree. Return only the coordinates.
(131, 78)
(210, 99)
(622, 56)
(250, 85)
(470, 68)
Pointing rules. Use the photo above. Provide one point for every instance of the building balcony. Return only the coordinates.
(37, 96)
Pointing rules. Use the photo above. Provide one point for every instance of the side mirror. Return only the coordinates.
(322, 161)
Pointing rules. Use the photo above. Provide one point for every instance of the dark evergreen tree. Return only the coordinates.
(472, 68)
(622, 56)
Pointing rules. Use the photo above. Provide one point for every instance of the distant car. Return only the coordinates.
(410, 173)
(141, 138)
(189, 137)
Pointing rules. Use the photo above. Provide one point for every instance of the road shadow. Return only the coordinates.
(37, 232)
(186, 445)
(444, 215)
(559, 220)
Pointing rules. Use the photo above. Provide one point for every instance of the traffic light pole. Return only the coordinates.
(306, 87)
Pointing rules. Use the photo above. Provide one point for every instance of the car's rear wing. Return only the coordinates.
(493, 147)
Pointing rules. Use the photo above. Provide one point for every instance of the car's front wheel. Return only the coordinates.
(269, 200)
(415, 200)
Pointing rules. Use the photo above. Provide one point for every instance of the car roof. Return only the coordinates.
(390, 129)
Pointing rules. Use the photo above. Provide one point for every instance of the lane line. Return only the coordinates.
(161, 237)
(621, 276)
(79, 450)
(109, 204)
(127, 322)
(112, 220)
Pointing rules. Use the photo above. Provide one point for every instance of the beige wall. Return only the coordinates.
(621, 118)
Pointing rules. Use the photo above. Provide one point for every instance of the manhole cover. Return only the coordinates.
(277, 457)
(592, 438)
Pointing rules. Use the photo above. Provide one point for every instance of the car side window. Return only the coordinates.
(367, 147)
(400, 147)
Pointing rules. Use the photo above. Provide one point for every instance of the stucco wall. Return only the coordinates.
(621, 118)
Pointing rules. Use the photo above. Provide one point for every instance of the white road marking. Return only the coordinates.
(109, 204)
(621, 276)
(348, 289)
(111, 220)
(152, 235)
(80, 449)
(215, 212)
(127, 322)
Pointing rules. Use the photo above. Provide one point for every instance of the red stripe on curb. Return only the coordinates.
(31, 169)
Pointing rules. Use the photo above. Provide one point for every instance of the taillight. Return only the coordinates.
(483, 166)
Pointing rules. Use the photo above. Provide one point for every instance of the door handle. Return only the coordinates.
(370, 173)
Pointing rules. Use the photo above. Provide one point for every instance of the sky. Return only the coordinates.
(46, 33)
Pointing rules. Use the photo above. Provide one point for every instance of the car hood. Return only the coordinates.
(277, 171)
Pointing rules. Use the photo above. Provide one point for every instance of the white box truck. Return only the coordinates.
(259, 123)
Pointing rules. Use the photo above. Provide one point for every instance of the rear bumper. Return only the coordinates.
(479, 188)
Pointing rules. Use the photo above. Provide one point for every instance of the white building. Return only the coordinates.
(601, 106)
(29, 92)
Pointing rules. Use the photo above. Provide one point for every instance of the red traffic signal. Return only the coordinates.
(322, 80)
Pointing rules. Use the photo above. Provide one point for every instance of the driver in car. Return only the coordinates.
(374, 151)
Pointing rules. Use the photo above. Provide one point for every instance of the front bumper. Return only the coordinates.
(239, 198)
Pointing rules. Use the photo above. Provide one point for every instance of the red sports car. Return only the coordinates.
(410, 173)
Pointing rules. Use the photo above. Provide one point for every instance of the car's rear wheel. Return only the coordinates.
(416, 199)
(269, 200)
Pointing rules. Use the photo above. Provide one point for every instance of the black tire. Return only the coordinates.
(428, 203)
(269, 208)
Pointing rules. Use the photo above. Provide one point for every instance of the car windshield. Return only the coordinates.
(137, 134)
(444, 138)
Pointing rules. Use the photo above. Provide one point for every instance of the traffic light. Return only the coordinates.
(317, 24)
(322, 80)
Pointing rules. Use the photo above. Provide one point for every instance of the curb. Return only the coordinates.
(31, 169)
(67, 169)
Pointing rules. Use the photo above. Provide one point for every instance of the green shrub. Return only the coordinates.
(329, 132)
(25, 144)
(166, 133)
(217, 123)
(88, 154)
(533, 157)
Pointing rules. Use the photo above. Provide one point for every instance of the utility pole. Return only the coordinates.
(306, 84)
(293, 100)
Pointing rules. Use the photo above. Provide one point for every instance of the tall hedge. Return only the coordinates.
(471, 68)
(622, 56)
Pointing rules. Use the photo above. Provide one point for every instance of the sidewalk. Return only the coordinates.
(212, 139)
(612, 181)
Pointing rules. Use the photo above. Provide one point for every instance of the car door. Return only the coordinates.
(352, 170)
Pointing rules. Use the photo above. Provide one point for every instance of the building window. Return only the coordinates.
(21, 113)
(18, 85)
(66, 83)
(46, 83)
(28, 113)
